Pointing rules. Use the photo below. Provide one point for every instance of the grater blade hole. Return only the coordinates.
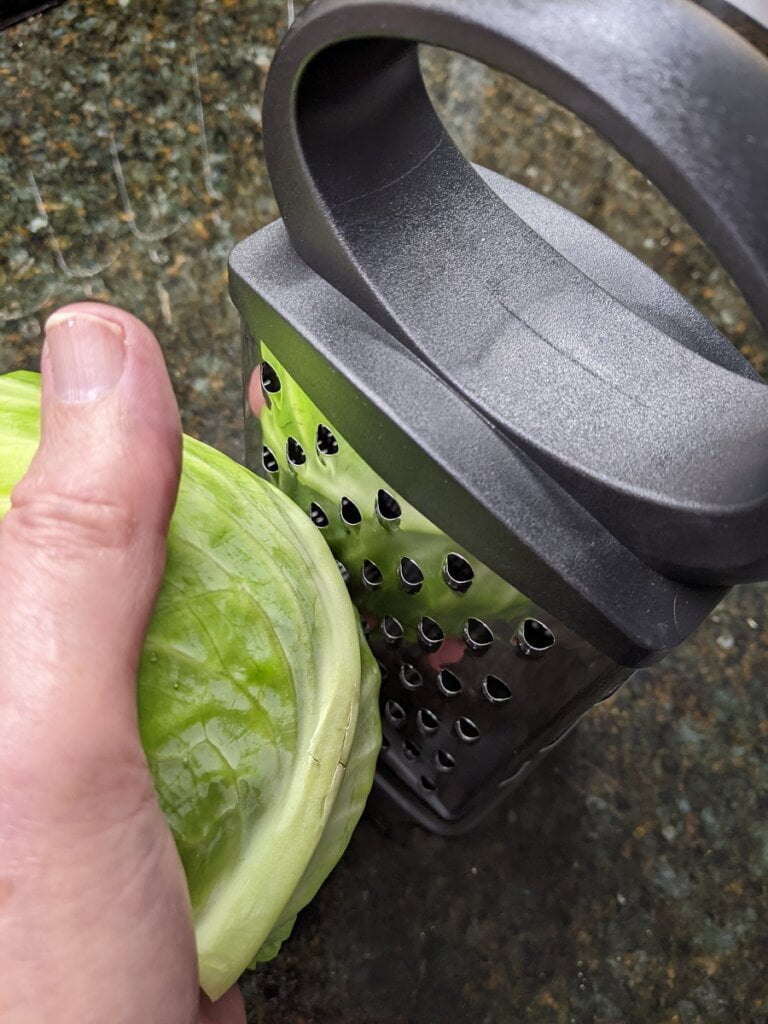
(325, 441)
(295, 452)
(428, 784)
(318, 516)
(269, 379)
(371, 575)
(477, 635)
(410, 575)
(344, 571)
(427, 721)
(448, 682)
(410, 676)
(410, 750)
(534, 639)
(268, 460)
(387, 508)
(384, 743)
(458, 573)
(496, 690)
(349, 512)
(394, 713)
(466, 730)
(444, 762)
(392, 629)
(430, 633)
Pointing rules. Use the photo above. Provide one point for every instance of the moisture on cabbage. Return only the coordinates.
(257, 697)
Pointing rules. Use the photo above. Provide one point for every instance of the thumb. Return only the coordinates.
(82, 548)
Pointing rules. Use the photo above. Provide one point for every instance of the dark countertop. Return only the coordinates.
(628, 880)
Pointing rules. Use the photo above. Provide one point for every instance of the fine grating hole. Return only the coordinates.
(444, 762)
(448, 682)
(371, 575)
(410, 575)
(268, 460)
(477, 635)
(392, 629)
(349, 512)
(394, 713)
(428, 721)
(458, 573)
(383, 669)
(496, 690)
(318, 516)
(326, 441)
(466, 730)
(534, 639)
(295, 452)
(387, 508)
(430, 634)
(344, 571)
(269, 379)
(428, 784)
(410, 676)
(410, 750)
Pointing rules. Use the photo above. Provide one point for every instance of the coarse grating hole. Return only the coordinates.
(383, 669)
(466, 730)
(344, 571)
(269, 379)
(392, 629)
(349, 512)
(268, 460)
(387, 508)
(448, 682)
(534, 639)
(410, 676)
(394, 713)
(428, 721)
(410, 750)
(428, 784)
(477, 636)
(496, 690)
(326, 441)
(371, 575)
(410, 575)
(457, 572)
(430, 634)
(295, 452)
(444, 762)
(318, 516)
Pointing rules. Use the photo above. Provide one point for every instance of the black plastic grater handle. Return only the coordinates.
(667, 450)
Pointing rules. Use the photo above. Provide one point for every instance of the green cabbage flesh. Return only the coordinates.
(257, 697)
(326, 479)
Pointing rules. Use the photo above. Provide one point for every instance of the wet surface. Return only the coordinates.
(628, 879)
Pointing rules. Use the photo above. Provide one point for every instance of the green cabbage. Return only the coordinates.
(257, 697)
(290, 413)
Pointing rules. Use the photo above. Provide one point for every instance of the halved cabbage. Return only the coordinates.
(257, 697)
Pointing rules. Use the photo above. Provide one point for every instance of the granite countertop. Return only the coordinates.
(628, 880)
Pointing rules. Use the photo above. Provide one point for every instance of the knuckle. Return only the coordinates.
(67, 525)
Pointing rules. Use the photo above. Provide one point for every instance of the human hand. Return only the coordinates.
(95, 923)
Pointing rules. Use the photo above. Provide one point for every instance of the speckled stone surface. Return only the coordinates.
(628, 880)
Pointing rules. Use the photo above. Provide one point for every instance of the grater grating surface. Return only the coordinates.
(478, 683)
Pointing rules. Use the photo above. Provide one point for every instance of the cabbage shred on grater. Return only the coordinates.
(538, 467)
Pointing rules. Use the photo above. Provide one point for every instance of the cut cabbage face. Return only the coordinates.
(257, 697)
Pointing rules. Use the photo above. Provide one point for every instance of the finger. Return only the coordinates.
(230, 1009)
(82, 548)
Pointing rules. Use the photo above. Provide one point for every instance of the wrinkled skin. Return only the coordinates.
(95, 922)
